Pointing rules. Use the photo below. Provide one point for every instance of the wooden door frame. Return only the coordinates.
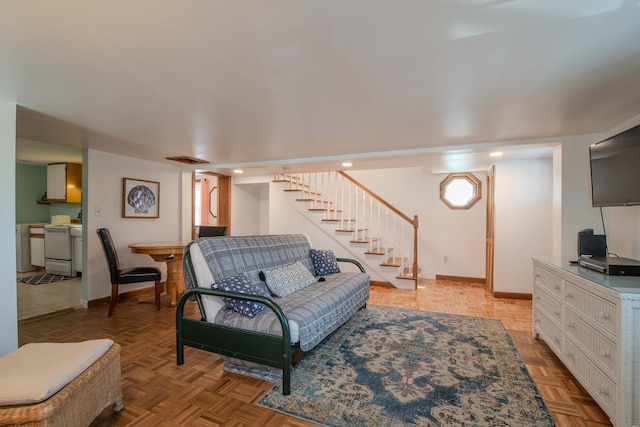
(224, 201)
(490, 231)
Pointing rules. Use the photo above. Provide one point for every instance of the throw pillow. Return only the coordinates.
(287, 279)
(324, 262)
(240, 283)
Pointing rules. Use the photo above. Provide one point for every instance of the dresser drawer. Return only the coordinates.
(600, 311)
(603, 349)
(544, 327)
(549, 281)
(602, 389)
(545, 302)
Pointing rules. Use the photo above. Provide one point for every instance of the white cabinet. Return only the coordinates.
(64, 182)
(37, 245)
(591, 321)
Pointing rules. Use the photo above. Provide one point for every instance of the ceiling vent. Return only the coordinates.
(188, 160)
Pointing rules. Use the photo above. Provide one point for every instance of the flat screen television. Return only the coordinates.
(615, 170)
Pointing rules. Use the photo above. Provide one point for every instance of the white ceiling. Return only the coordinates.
(264, 84)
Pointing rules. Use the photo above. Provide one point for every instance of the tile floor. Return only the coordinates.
(37, 300)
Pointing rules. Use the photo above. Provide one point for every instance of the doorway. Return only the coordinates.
(31, 206)
(211, 201)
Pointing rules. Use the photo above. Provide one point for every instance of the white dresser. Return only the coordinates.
(591, 321)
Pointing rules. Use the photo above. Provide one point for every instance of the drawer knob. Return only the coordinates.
(604, 392)
(556, 287)
(606, 353)
(605, 316)
(569, 295)
(556, 313)
(572, 325)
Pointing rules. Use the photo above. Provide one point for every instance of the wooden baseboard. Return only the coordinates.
(124, 296)
(23, 322)
(513, 295)
(461, 279)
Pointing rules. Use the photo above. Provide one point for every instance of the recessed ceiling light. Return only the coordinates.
(496, 154)
(237, 171)
(347, 164)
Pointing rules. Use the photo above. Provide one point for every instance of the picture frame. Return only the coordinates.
(140, 198)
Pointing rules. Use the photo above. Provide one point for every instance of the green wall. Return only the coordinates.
(31, 184)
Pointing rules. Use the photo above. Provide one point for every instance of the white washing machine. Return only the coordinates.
(23, 248)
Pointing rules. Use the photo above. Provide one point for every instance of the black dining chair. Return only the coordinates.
(123, 276)
(212, 230)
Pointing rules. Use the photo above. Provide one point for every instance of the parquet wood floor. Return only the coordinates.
(157, 392)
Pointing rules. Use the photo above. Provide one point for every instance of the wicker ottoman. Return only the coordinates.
(78, 402)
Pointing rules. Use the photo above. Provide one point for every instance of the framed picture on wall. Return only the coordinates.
(140, 198)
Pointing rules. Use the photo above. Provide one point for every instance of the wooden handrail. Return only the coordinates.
(381, 200)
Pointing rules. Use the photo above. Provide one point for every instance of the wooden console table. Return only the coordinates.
(591, 321)
(170, 253)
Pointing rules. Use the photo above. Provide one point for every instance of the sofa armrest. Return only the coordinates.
(352, 261)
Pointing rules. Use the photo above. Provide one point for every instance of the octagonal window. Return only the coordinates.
(460, 190)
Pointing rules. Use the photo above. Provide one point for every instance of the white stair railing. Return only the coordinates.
(374, 222)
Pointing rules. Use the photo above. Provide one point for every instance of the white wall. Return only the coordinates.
(623, 223)
(104, 190)
(8, 290)
(577, 212)
(186, 212)
(451, 242)
(248, 213)
(523, 221)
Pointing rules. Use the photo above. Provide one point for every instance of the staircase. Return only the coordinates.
(361, 221)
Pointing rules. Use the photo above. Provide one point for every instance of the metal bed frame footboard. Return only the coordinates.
(258, 347)
(266, 349)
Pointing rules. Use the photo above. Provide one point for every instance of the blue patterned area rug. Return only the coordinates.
(396, 367)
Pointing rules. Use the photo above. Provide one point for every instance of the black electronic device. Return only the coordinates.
(592, 244)
(586, 231)
(614, 170)
(613, 266)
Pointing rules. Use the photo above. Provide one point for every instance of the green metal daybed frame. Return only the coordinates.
(266, 349)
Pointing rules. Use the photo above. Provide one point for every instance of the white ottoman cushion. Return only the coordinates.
(36, 371)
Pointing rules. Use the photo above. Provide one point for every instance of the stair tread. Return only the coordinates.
(367, 240)
(393, 262)
(406, 275)
(380, 251)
